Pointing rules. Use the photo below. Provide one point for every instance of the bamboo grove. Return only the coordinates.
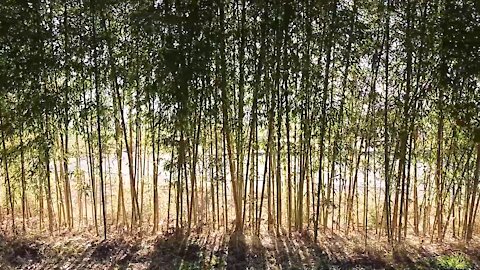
(352, 116)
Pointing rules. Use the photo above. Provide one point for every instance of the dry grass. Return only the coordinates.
(218, 250)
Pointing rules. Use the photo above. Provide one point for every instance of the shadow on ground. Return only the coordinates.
(218, 251)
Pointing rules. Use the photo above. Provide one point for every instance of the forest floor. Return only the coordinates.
(218, 250)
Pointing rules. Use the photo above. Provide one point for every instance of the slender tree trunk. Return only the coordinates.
(476, 180)
(91, 159)
(133, 191)
(155, 169)
(324, 113)
(22, 168)
(99, 133)
(170, 174)
(78, 172)
(47, 170)
(121, 215)
(387, 181)
(226, 125)
(7, 176)
(64, 143)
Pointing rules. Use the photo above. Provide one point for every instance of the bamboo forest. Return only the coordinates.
(239, 134)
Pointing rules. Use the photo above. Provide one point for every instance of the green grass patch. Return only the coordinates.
(453, 262)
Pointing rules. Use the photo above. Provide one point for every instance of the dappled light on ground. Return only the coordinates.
(216, 250)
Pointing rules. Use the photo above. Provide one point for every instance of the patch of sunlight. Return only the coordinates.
(453, 262)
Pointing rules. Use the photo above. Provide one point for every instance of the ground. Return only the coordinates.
(220, 250)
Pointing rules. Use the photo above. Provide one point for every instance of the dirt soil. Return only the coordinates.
(217, 250)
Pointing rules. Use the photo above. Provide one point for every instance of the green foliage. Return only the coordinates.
(165, 69)
(453, 262)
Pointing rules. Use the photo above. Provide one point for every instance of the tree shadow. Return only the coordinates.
(170, 250)
(207, 251)
(216, 250)
(21, 252)
(237, 251)
(175, 250)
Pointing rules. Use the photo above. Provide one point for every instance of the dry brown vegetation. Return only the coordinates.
(216, 250)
